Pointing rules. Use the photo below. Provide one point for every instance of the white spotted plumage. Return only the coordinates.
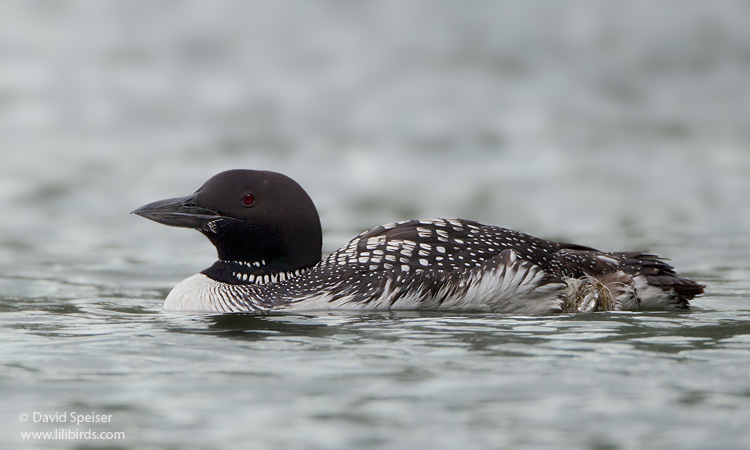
(461, 265)
(267, 234)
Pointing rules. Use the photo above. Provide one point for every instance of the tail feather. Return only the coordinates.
(659, 274)
(652, 282)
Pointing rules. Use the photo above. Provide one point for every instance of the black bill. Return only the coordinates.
(178, 212)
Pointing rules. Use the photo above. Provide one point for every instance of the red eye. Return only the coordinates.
(248, 200)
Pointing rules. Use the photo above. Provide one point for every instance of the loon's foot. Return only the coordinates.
(609, 292)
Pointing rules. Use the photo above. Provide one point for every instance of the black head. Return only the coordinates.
(250, 216)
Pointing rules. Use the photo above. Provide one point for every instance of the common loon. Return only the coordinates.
(268, 236)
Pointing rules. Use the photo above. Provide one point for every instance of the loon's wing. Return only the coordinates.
(435, 264)
(458, 264)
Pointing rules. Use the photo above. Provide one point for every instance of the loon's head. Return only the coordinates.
(251, 217)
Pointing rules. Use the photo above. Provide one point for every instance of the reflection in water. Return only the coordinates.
(259, 326)
(490, 334)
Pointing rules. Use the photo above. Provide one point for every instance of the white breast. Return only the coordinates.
(199, 293)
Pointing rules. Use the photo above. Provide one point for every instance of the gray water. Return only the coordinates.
(618, 125)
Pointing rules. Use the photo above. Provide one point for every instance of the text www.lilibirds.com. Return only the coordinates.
(69, 418)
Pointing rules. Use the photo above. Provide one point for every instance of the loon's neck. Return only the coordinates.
(255, 254)
(250, 272)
